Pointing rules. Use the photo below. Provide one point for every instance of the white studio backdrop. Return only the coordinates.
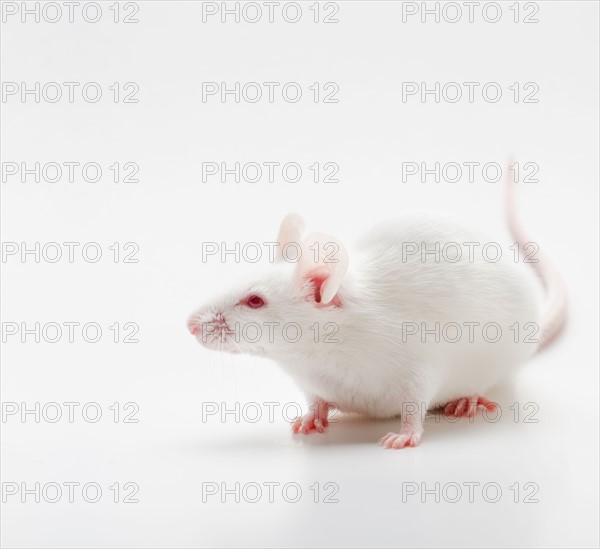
(119, 121)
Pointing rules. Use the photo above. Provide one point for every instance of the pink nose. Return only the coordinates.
(194, 327)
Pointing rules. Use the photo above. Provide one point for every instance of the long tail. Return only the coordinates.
(555, 314)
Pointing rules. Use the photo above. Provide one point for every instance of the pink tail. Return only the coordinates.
(554, 317)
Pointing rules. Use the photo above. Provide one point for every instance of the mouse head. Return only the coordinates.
(290, 308)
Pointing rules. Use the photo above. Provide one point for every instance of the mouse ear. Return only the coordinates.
(290, 231)
(324, 261)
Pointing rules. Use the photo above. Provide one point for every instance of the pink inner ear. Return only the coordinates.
(318, 278)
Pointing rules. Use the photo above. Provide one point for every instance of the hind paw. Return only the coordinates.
(467, 406)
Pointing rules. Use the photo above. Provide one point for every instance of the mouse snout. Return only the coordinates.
(194, 326)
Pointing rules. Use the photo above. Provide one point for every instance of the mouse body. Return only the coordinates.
(416, 316)
(417, 325)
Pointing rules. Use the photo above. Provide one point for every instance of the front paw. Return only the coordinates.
(308, 422)
(404, 439)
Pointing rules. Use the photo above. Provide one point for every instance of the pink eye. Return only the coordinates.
(255, 301)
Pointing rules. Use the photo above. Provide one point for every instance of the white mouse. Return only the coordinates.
(385, 331)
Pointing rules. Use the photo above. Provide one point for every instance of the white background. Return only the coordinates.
(170, 452)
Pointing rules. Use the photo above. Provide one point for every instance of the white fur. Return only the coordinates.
(367, 368)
